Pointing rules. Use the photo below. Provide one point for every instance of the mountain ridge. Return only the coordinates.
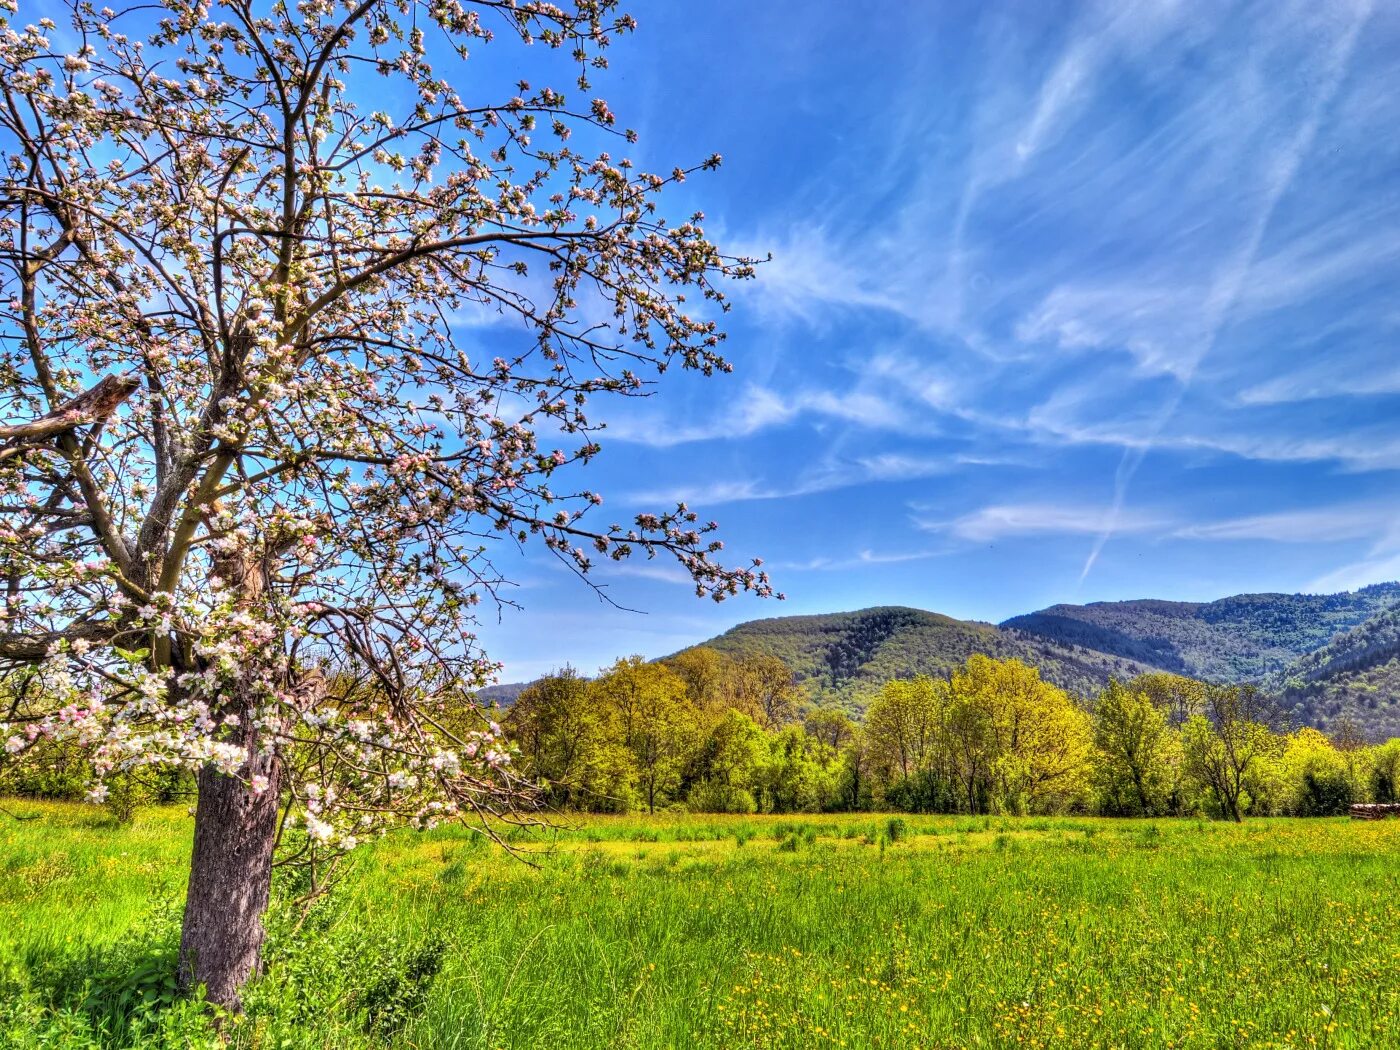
(1242, 637)
(1322, 654)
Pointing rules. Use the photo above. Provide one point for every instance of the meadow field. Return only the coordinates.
(691, 931)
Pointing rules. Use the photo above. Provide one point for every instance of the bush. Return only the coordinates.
(398, 985)
(1325, 794)
(710, 796)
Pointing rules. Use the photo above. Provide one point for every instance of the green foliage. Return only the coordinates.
(566, 739)
(1384, 771)
(992, 737)
(401, 980)
(93, 994)
(1226, 751)
(701, 730)
(1137, 753)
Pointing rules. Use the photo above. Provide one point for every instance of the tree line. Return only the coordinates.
(704, 731)
(708, 732)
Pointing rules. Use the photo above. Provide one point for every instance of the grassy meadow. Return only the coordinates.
(691, 931)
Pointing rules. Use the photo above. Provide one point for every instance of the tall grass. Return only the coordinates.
(762, 932)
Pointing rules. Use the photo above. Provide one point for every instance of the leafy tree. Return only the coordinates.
(656, 723)
(804, 774)
(971, 747)
(708, 675)
(764, 686)
(1036, 739)
(902, 726)
(1384, 760)
(1135, 751)
(728, 769)
(252, 231)
(1315, 779)
(1177, 696)
(566, 740)
(1222, 748)
(855, 790)
(830, 725)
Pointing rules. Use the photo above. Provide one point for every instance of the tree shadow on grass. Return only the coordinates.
(123, 994)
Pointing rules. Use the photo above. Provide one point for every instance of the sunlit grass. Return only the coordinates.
(699, 931)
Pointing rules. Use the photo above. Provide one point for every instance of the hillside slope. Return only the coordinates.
(1356, 674)
(1242, 638)
(848, 656)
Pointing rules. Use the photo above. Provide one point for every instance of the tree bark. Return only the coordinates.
(235, 831)
(230, 880)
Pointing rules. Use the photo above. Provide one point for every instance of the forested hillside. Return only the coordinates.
(849, 656)
(502, 695)
(1356, 675)
(1242, 638)
(1322, 653)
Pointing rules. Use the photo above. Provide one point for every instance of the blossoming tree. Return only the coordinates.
(251, 471)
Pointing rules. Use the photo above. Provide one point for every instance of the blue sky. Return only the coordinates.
(1068, 303)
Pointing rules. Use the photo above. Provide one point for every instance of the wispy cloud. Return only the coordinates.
(754, 410)
(862, 559)
(1357, 574)
(1333, 380)
(825, 476)
(1225, 290)
(758, 409)
(1033, 519)
(706, 494)
(661, 572)
(1378, 523)
(1318, 525)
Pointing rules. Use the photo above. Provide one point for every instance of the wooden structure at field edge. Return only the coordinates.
(1375, 810)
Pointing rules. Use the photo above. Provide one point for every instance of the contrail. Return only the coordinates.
(1225, 292)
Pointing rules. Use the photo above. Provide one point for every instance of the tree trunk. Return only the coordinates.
(230, 879)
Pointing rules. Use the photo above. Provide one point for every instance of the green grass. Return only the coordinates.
(716, 932)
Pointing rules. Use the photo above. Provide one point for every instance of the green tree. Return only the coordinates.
(1035, 739)
(830, 725)
(1223, 747)
(563, 738)
(765, 688)
(856, 788)
(656, 723)
(1177, 696)
(804, 774)
(728, 768)
(708, 675)
(1315, 776)
(902, 726)
(1135, 752)
(1384, 767)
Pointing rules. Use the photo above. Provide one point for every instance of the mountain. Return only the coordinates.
(1356, 674)
(847, 656)
(502, 695)
(1322, 654)
(1243, 638)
